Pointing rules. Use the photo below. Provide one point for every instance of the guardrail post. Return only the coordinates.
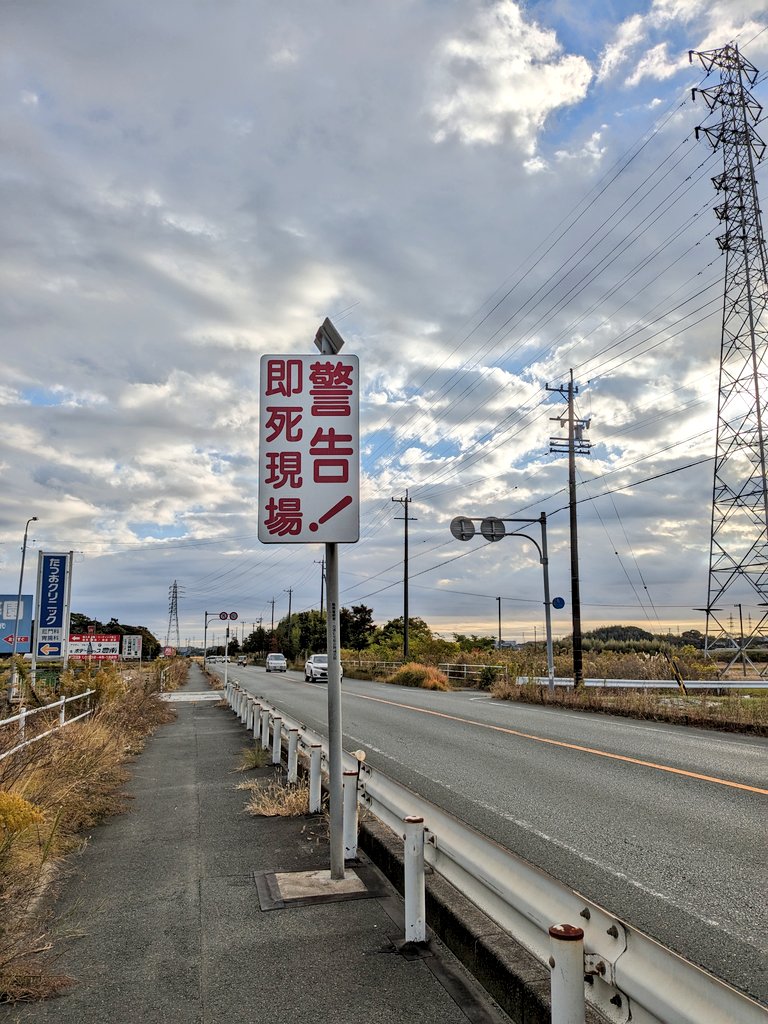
(415, 900)
(264, 729)
(567, 964)
(241, 714)
(350, 815)
(277, 735)
(22, 723)
(62, 712)
(256, 719)
(293, 756)
(315, 797)
(248, 711)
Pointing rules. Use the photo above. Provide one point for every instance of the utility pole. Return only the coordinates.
(499, 600)
(272, 602)
(405, 502)
(573, 445)
(321, 563)
(289, 592)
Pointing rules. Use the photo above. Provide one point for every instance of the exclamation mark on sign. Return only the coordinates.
(331, 512)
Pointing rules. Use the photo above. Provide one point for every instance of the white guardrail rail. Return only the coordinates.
(634, 978)
(60, 705)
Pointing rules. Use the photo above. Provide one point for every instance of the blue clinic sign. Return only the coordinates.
(8, 623)
(53, 585)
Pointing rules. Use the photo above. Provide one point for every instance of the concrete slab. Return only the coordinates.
(294, 885)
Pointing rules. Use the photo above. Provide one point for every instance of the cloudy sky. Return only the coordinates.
(481, 195)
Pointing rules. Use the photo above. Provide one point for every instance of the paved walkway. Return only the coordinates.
(165, 897)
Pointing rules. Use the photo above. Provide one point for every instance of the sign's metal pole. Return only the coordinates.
(547, 604)
(335, 766)
(336, 780)
(226, 656)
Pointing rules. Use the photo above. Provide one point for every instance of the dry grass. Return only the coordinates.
(272, 799)
(735, 712)
(49, 793)
(424, 676)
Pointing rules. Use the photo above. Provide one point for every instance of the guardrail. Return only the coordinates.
(459, 672)
(24, 714)
(651, 684)
(633, 977)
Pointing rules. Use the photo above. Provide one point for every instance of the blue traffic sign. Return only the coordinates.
(8, 623)
(558, 602)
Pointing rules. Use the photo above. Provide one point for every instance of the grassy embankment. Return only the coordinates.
(51, 792)
(735, 710)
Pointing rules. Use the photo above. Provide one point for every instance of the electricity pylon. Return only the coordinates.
(738, 560)
(173, 614)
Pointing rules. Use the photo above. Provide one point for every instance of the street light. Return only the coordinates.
(493, 529)
(33, 519)
(20, 581)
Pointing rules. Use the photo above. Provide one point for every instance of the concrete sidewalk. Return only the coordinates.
(173, 929)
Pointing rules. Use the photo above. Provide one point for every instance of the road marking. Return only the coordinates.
(569, 746)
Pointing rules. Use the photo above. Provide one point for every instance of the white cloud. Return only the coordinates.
(501, 79)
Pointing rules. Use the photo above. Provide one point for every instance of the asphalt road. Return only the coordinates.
(680, 856)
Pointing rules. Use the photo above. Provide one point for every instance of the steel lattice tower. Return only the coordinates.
(173, 614)
(738, 560)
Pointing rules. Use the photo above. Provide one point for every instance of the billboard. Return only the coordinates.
(8, 623)
(309, 450)
(94, 646)
(54, 581)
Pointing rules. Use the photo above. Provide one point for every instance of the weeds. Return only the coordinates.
(252, 757)
(271, 799)
(734, 712)
(49, 793)
(423, 676)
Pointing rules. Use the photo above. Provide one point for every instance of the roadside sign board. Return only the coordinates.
(309, 450)
(94, 646)
(54, 581)
(8, 623)
(132, 647)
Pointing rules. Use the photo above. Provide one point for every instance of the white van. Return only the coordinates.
(276, 663)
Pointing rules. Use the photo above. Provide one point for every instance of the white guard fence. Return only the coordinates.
(631, 976)
(57, 707)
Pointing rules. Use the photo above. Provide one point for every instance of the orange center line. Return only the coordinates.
(569, 746)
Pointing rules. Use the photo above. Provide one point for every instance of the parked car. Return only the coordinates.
(316, 669)
(276, 663)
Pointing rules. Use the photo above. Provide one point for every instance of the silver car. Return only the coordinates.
(276, 663)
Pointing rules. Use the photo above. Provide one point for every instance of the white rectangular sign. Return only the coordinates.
(132, 646)
(96, 646)
(309, 450)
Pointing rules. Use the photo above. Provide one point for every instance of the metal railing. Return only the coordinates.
(474, 673)
(633, 977)
(650, 684)
(24, 714)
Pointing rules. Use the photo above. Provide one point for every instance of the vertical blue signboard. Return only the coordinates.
(8, 623)
(53, 584)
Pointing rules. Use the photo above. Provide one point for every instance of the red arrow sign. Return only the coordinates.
(21, 639)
